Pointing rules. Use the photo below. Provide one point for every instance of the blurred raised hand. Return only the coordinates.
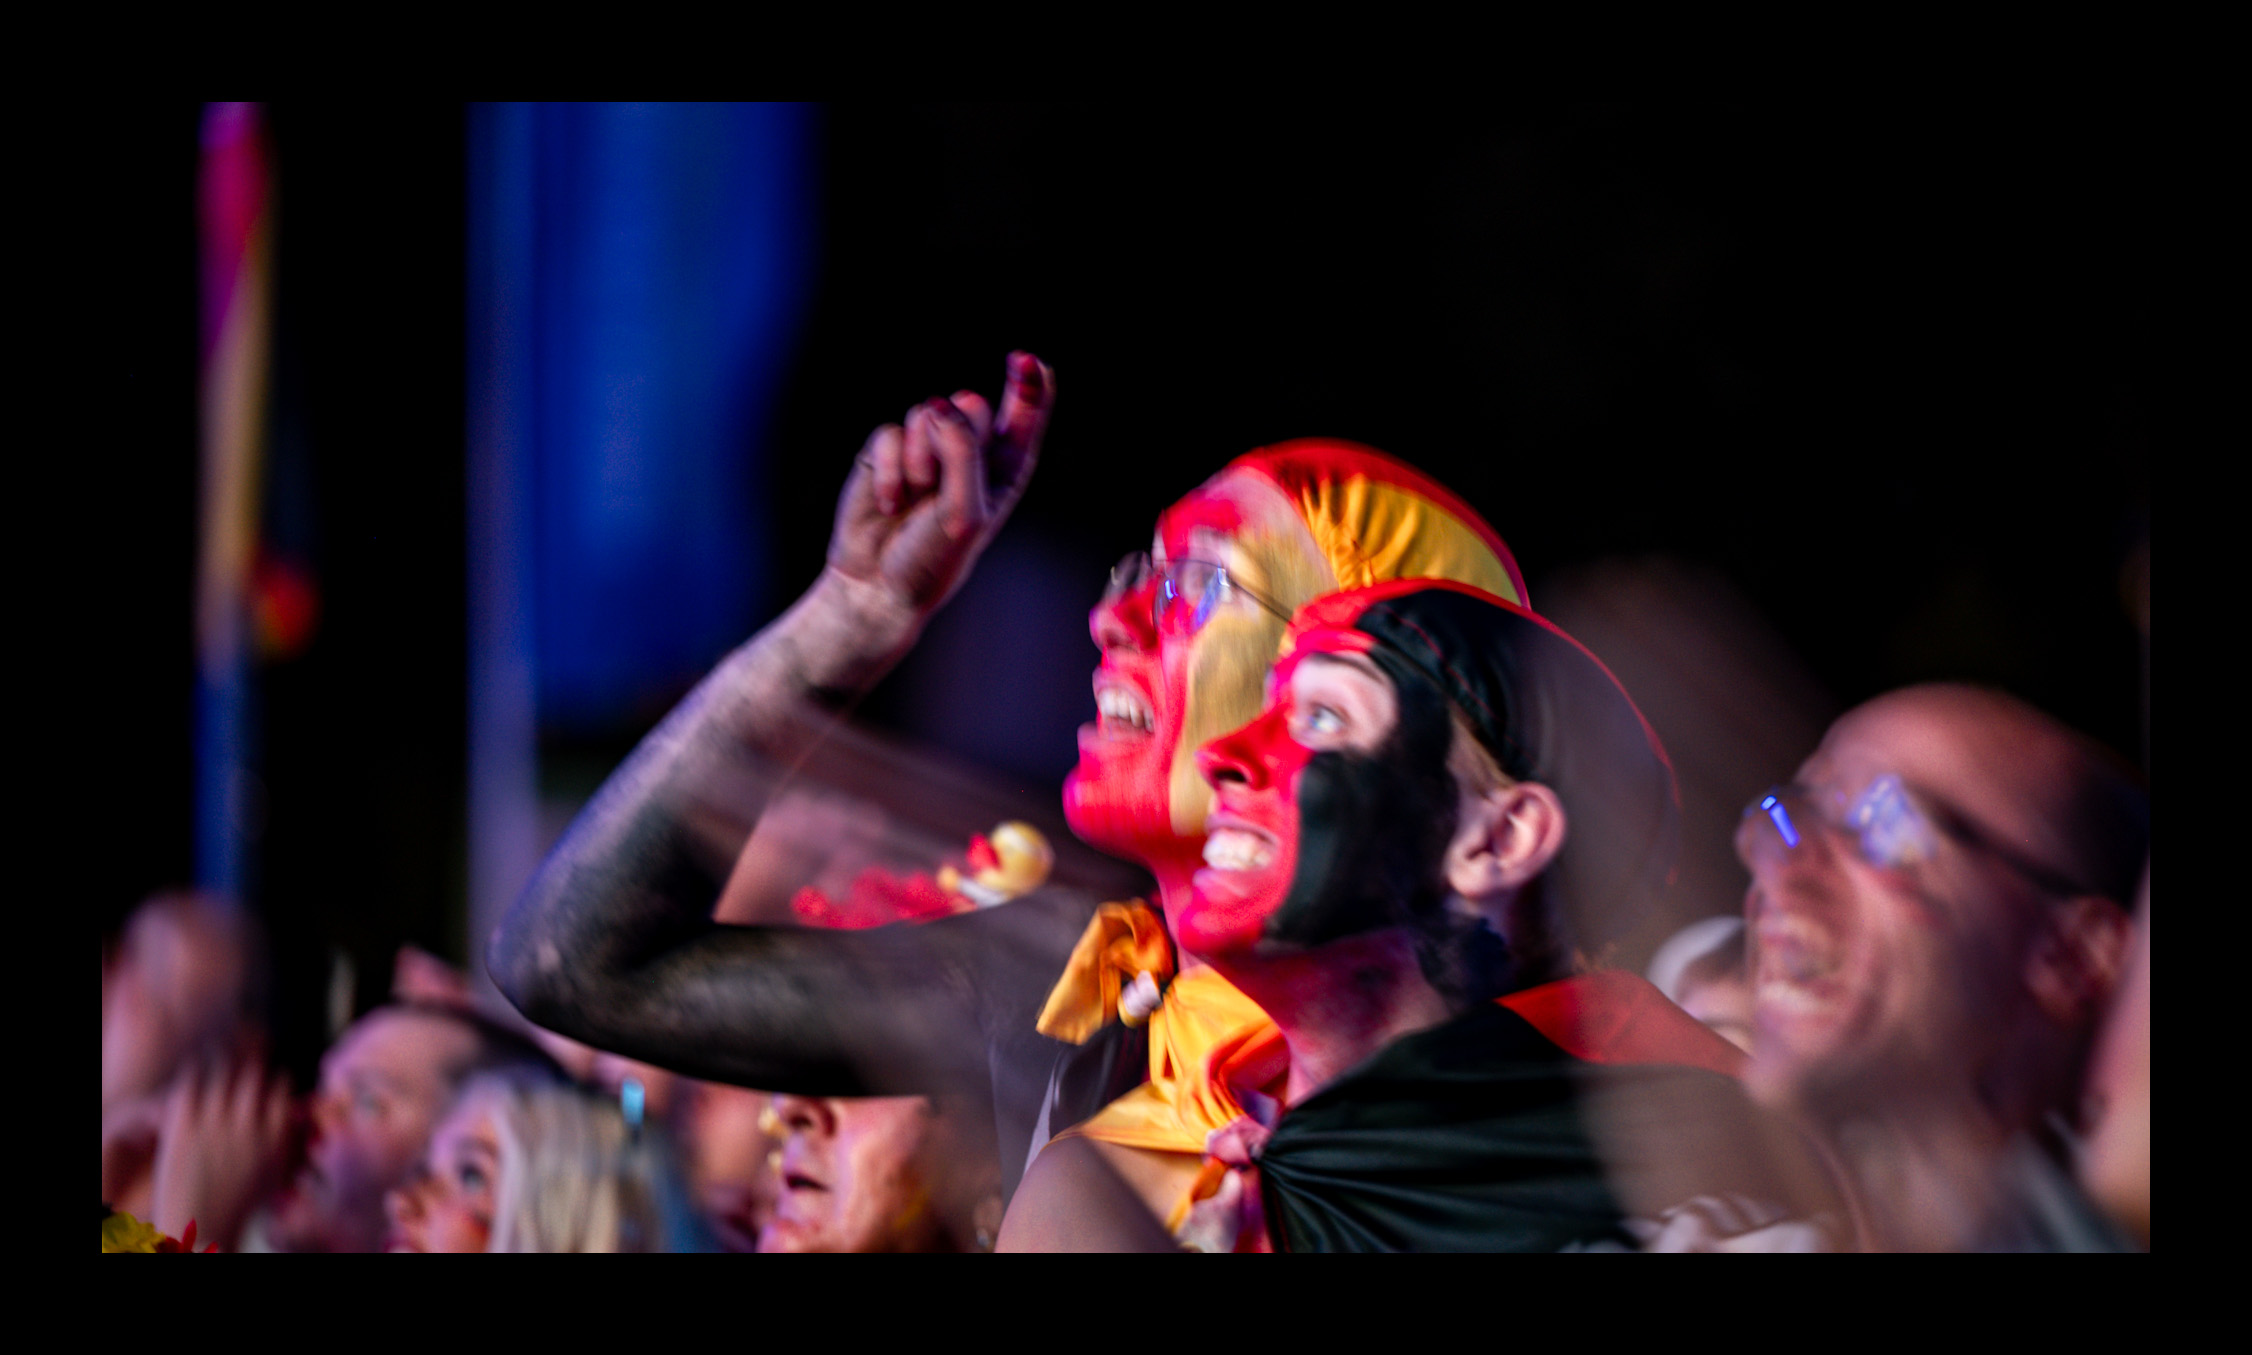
(226, 1141)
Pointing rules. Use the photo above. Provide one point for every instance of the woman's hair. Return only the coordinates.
(573, 1178)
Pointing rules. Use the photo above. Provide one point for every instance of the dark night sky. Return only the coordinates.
(1888, 376)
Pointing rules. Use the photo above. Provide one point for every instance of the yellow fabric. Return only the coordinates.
(1373, 532)
(1205, 1040)
(1122, 941)
(124, 1233)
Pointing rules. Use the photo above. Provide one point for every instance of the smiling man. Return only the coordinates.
(1937, 921)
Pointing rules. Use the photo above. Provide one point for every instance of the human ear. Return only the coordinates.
(1504, 839)
(2077, 958)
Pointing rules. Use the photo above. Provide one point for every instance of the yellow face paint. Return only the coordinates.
(1227, 679)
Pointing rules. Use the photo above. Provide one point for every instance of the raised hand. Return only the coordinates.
(225, 1142)
(927, 496)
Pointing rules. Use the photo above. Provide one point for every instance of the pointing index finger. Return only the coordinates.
(1021, 421)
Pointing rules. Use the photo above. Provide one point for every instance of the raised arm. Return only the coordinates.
(613, 942)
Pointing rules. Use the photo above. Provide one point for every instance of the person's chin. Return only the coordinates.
(299, 1213)
(1116, 812)
(1224, 916)
(1797, 1038)
(790, 1235)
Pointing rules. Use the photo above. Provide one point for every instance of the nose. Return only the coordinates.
(1787, 873)
(1238, 758)
(1126, 621)
(1760, 842)
(807, 1115)
(325, 1113)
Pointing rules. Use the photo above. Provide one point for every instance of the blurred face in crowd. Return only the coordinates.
(875, 1174)
(448, 1200)
(176, 981)
(383, 1087)
(724, 1150)
(1899, 942)
(1179, 669)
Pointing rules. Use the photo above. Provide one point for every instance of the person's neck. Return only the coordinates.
(1338, 1004)
(1924, 1167)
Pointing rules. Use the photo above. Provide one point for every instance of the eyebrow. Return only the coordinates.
(1359, 663)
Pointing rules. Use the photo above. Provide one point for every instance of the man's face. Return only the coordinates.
(1887, 948)
(1327, 699)
(383, 1087)
(863, 1174)
(724, 1150)
(1164, 689)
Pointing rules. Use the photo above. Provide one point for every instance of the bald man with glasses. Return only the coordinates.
(1937, 924)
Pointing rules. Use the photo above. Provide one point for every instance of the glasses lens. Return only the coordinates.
(1892, 831)
(1883, 823)
(1190, 590)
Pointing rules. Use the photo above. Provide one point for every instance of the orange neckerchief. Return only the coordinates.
(1206, 1039)
(1123, 941)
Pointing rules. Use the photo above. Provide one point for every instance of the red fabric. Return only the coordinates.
(879, 898)
(1612, 1016)
(982, 855)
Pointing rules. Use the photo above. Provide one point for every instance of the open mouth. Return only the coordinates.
(1121, 713)
(799, 1181)
(1232, 848)
(1795, 962)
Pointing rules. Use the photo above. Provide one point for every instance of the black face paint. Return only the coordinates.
(1373, 827)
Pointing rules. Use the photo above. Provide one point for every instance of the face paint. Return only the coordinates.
(1373, 828)
(1334, 808)
(1163, 691)
(1294, 522)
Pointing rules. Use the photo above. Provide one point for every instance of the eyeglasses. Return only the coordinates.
(1889, 826)
(1189, 592)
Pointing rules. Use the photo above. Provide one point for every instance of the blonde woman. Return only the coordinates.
(523, 1165)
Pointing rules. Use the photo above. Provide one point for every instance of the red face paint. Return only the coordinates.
(1332, 809)
(1251, 843)
(1120, 796)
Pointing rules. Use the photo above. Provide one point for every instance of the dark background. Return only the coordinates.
(1891, 379)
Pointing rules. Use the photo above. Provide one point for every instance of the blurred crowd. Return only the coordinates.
(1925, 1026)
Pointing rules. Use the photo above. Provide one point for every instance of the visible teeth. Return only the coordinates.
(1783, 997)
(1121, 707)
(1791, 952)
(1233, 849)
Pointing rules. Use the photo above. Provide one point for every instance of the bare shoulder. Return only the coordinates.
(1158, 1179)
(1083, 1196)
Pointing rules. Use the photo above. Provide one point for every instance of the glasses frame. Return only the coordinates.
(1136, 569)
(1945, 823)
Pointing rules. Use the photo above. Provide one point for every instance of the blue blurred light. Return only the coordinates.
(1782, 820)
(657, 258)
